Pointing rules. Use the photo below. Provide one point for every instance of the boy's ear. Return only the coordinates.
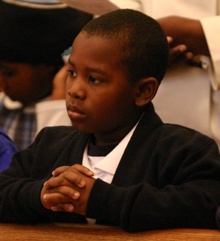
(146, 89)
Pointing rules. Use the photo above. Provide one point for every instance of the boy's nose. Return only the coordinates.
(76, 89)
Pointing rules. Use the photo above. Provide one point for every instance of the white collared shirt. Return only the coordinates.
(105, 167)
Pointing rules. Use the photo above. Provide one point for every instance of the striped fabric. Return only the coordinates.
(19, 124)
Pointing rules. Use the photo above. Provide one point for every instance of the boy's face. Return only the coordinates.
(24, 82)
(100, 99)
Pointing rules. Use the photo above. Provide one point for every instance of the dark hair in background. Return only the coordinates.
(34, 36)
(143, 43)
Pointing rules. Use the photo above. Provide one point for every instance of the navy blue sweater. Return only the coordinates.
(168, 177)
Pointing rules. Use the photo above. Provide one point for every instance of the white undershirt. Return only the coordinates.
(105, 167)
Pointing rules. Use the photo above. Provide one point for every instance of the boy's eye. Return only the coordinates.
(7, 74)
(72, 73)
(93, 79)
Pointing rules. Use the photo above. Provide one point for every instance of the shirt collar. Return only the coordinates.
(109, 163)
(14, 105)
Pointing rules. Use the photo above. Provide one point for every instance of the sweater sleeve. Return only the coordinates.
(19, 193)
(21, 183)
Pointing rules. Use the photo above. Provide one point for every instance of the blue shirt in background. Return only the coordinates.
(7, 149)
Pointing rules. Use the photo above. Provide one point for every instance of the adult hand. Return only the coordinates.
(185, 31)
(176, 51)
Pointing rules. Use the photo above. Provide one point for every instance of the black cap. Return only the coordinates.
(39, 34)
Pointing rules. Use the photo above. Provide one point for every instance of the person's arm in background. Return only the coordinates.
(186, 31)
(201, 38)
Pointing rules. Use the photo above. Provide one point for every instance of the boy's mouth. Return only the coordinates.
(74, 112)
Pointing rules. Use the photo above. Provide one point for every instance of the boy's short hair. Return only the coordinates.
(145, 50)
(37, 35)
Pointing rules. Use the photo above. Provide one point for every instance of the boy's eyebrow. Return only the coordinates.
(98, 70)
(70, 63)
(2, 67)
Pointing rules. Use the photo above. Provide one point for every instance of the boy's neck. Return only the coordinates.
(112, 138)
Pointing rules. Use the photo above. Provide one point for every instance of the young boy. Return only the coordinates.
(118, 164)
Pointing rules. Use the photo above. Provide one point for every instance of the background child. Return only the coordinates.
(32, 40)
(119, 164)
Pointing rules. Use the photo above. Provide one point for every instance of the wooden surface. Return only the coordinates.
(56, 232)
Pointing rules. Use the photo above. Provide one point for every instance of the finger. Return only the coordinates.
(189, 55)
(74, 177)
(57, 181)
(194, 60)
(169, 39)
(177, 51)
(82, 169)
(60, 170)
(53, 199)
(69, 178)
(66, 207)
(66, 192)
(60, 196)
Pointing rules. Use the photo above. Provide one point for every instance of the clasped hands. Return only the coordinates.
(68, 189)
